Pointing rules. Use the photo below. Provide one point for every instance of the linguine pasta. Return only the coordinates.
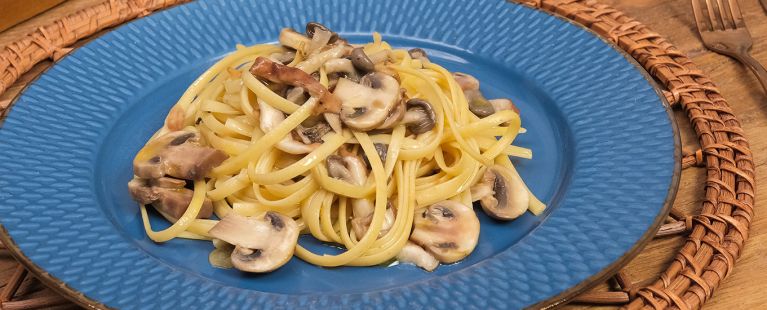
(388, 177)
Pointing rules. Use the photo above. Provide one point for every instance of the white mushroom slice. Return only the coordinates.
(320, 38)
(262, 244)
(296, 95)
(342, 65)
(380, 56)
(503, 104)
(292, 39)
(366, 105)
(416, 255)
(508, 199)
(318, 59)
(352, 169)
(395, 116)
(448, 230)
(360, 225)
(334, 120)
(283, 58)
(271, 118)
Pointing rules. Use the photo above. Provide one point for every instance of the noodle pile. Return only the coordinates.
(404, 171)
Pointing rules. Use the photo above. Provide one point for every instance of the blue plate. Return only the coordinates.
(606, 159)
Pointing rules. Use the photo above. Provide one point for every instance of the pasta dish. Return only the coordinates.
(364, 146)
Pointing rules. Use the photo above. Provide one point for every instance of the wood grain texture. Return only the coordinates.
(745, 288)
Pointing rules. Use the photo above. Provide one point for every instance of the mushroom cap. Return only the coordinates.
(448, 230)
(420, 117)
(509, 199)
(365, 105)
(262, 244)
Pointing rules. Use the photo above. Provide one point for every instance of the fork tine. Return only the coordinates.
(728, 21)
(700, 16)
(737, 17)
(712, 16)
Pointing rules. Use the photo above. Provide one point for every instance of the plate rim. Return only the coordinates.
(555, 301)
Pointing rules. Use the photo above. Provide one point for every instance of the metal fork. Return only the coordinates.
(723, 30)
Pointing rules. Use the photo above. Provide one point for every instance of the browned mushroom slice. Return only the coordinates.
(167, 182)
(191, 162)
(171, 202)
(142, 192)
(501, 193)
(262, 244)
(418, 53)
(448, 230)
(279, 73)
(177, 154)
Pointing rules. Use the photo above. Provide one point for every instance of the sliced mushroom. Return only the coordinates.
(414, 254)
(270, 119)
(395, 116)
(262, 244)
(366, 105)
(344, 66)
(314, 27)
(418, 53)
(501, 193)
(314, 133)
(283, 58)
(292, 39)
(352, 170)
(361, 61)
(360, 225)
(296, 95)
(448, 230)
(381, 150)
(419, 117)
(478, 105)
(466, 81)
(166, 182)
(279, 73)
(327, 53)
(503, 104)
(319, 38)
(177, 154)
(169, 201)
(221, 256)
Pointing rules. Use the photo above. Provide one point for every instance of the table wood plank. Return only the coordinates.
(745, 288)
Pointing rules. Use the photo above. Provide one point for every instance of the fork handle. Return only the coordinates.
(756, 67)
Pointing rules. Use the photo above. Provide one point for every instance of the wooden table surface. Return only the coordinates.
(746, 287)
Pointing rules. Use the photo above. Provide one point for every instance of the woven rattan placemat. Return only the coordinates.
(715, 236)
